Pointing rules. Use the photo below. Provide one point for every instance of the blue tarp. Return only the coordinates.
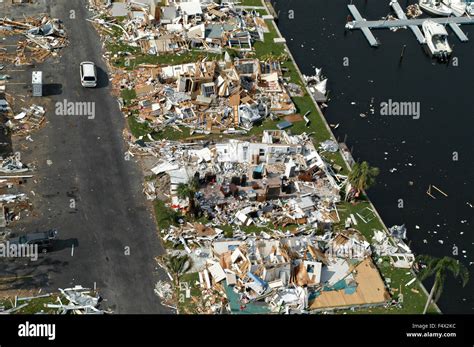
(284, 125)
(337, 286)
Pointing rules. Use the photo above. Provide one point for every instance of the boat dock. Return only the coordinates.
(457, 30)
(401, 15)
(366, 31)
(366, 25)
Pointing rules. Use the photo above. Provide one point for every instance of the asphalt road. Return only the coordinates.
(86, 189)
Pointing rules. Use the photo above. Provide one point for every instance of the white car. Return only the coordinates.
(88, 74)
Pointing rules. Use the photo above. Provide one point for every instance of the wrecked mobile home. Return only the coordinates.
(256, 216)
(280, 251)
(281, 180)
(157, 27)
(282, 272)
(207, 96)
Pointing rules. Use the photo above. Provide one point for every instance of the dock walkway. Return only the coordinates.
(366, 25)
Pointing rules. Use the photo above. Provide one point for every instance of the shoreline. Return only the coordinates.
(267, 5)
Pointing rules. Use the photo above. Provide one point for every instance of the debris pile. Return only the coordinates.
(212, 300)
(4, 104)
(192, 234)
(400, 254)
(27, 120)
(38, 38)
(293, 274)
(317, 85)
(227, 96)
(80, 301)
(179, 27)
(12, 165)
(269, 244)
(13, 204)
(76, 300)
(414, 11)
(164, 290)
(279, 181)
(207, 96)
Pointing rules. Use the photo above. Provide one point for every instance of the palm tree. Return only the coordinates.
(177, 265)
(188, 190)
(362, 176)
(439, 268)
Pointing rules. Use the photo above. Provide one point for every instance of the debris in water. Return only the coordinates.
(413, 11)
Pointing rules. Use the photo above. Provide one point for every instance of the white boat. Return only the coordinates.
(435, 7)
(457, 6)
(436, 38)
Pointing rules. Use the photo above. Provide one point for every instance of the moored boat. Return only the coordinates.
(436, 38)
(435, 7)
(457, 6)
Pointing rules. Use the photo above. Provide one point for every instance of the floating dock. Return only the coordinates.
(366, 25)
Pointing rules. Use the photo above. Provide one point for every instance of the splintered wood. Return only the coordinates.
(44, 38)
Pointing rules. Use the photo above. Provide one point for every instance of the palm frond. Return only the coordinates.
(464, 274)
(182, 190)
(426, 272)
(439, 281)
(458, 269)
(178, 264)
(451, 264)
(430, 267)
